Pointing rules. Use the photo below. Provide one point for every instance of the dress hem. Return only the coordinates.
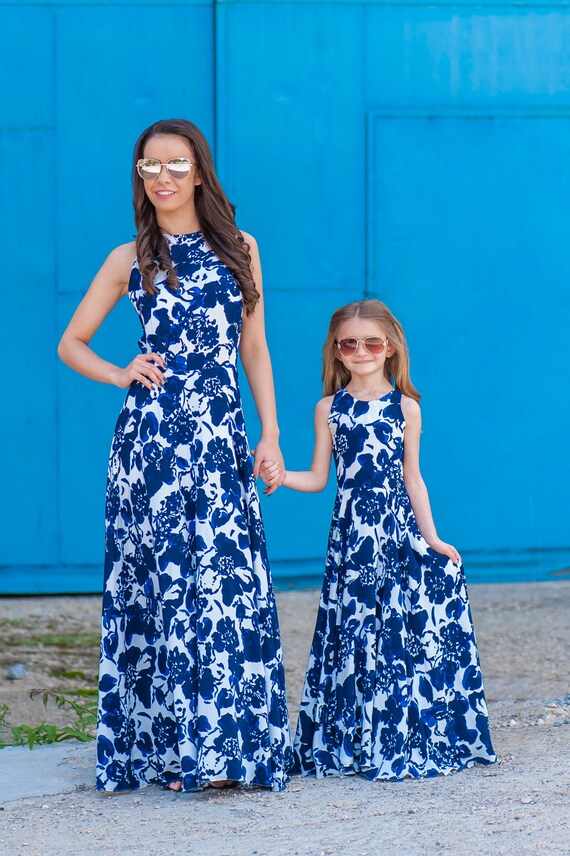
(368, 772)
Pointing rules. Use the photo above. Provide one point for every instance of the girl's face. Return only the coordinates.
(363, 362)
(167, 194)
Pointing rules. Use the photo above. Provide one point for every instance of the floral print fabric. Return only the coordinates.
(191, 673)
(393, 686)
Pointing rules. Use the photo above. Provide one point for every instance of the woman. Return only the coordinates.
(191, 689)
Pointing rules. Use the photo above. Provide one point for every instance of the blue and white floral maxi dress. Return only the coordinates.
(393, 685)
(191, 673)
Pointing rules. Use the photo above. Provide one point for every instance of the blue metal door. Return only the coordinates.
(84, 80)
(464, 245)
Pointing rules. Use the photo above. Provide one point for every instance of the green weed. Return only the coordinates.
(82, 729)
(70, 674)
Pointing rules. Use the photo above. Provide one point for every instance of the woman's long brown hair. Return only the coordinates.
(216, 216)
(397, 366)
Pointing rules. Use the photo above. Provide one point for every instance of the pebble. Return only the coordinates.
(512, 722)
(16, 672)
(526, 800)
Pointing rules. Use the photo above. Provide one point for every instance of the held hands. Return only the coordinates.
(445, 549)
(271, 474)
(269, 465)
(143, 370)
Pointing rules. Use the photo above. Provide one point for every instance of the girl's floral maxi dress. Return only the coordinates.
(393, 686)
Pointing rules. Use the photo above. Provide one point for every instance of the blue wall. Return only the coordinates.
(414, 152)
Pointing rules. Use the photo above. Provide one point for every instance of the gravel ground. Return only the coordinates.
(519, 806)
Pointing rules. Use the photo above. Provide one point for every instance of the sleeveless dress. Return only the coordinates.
(191, 673)
(393, 685)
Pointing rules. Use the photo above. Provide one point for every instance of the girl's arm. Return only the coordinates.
(414, 482)
(256, 361)
(109, 285)
(316, 478)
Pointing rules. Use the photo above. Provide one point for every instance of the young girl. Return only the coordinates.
(191, 689)
(393, 685)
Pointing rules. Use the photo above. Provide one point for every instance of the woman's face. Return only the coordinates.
(167, 194)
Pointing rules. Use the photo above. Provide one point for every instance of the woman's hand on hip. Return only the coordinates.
(145, 368)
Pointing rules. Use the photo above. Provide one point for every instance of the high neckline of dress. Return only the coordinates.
(171, 237)
(368, 400)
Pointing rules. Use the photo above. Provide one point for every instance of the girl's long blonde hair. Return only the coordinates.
(396, 368)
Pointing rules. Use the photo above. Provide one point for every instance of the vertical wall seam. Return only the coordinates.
(366, 159)
(56, 242)
(219, 87)
(367, 205)
(215, 77)
(364, 177)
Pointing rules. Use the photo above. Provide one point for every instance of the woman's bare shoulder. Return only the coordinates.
(124, 255)
(249, 239)
(118, 266)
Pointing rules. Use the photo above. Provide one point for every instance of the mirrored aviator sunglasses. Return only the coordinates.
(373, 344)
(149, 168)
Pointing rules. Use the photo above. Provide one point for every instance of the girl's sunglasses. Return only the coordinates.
(149, 168)
(373, 344)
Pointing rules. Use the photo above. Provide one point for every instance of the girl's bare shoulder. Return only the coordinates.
(410, 409)
(324, 406)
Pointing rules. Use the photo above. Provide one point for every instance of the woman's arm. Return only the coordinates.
(109, 285)
(414, 482)
(256, 361)
(315, 479)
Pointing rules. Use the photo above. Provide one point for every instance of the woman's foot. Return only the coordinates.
(223, 783)
(175, 786)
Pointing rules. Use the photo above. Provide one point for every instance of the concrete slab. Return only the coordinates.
(58, 768)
